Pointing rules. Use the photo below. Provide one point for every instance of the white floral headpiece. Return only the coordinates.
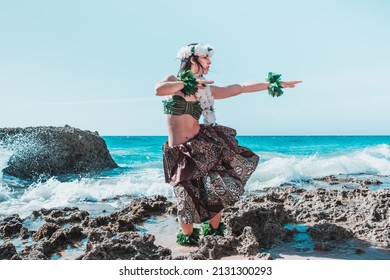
(198, 50)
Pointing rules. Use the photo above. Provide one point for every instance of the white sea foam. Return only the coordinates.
(274, 171)
(4, 157)
(104, 193)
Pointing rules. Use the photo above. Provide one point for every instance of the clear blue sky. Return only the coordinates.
(94, 64)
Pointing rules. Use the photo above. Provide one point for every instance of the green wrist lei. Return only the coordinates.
(190, 83)
(275, 84)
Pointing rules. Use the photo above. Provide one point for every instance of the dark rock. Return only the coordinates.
(24, 233)
(362, 212)
(45, 247)
(216, 247)
(63, 237)
(249, 246)
(46, 231)
(97, 235)
(266, 219)
(264, 256)
(7, 251)
(35, 251)
(62, 216)
(140, 209)
(41, 152)
(328, 231)
(322, 246)
(359, 251)
(10, 226)
(128, 246)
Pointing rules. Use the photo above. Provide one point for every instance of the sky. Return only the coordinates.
(94, 64)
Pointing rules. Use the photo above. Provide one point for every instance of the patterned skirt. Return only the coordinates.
(208, 172)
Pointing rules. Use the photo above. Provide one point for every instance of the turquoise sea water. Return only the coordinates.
(285, 160)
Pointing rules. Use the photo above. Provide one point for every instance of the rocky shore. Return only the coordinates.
(255, 225)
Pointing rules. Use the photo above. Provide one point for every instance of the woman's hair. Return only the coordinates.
(186, 62)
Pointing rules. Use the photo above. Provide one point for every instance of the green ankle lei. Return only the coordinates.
(184, 239)
(190, 83)
(275, 84)
(206, 229)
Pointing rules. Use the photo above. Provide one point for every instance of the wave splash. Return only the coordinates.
(277, 169)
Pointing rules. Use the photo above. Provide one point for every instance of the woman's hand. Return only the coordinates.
(202, 83)
(290, 84)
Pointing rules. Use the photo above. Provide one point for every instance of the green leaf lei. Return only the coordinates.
(275, 84)
(184, 239)
(190, 83)
(206, 229)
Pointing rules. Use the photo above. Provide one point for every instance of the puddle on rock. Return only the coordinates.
(302, 246)
(71, 252)
(165, 229)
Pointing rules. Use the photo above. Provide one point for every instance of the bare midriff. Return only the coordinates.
(181, 128)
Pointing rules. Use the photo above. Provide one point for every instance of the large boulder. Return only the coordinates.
(40, 152)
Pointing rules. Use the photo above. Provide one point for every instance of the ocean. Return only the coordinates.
(284, 160)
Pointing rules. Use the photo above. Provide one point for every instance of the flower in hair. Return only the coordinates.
(197, 50)
(184, 53)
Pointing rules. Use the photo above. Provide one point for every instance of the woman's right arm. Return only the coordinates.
(168, 86)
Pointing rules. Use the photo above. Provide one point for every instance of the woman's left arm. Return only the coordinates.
(236, 89)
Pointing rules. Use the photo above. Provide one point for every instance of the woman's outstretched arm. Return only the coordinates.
(236, 89)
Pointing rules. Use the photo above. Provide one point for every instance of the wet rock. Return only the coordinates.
(327, 231)
(24, 233)
(35, 252)
(62, 216)
(322, 246)
(214, 247)
(45, 247)
(64, 237)
(46, 231)
(359, 251)
(113, 224)
(11, 226)
(43, 152)
(267, 219)
(248, 244)
(136, 212)
(7, 251)
(128, 246)
(217, 247)
(333, 180)
(99, 235)
(264, 256)
(141, 209)
(365, 213)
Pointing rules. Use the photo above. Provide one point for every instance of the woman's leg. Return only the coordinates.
(186, 228)
(214, 221)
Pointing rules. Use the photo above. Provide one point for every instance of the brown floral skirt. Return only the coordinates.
(208, 172)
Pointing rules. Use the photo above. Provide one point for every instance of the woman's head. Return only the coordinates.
(195, 57)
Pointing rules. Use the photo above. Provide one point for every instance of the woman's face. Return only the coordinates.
(205, 62)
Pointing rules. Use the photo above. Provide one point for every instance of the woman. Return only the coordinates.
(203, 162)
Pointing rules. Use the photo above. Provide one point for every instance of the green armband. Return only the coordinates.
(190, 83)
(275, 84)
